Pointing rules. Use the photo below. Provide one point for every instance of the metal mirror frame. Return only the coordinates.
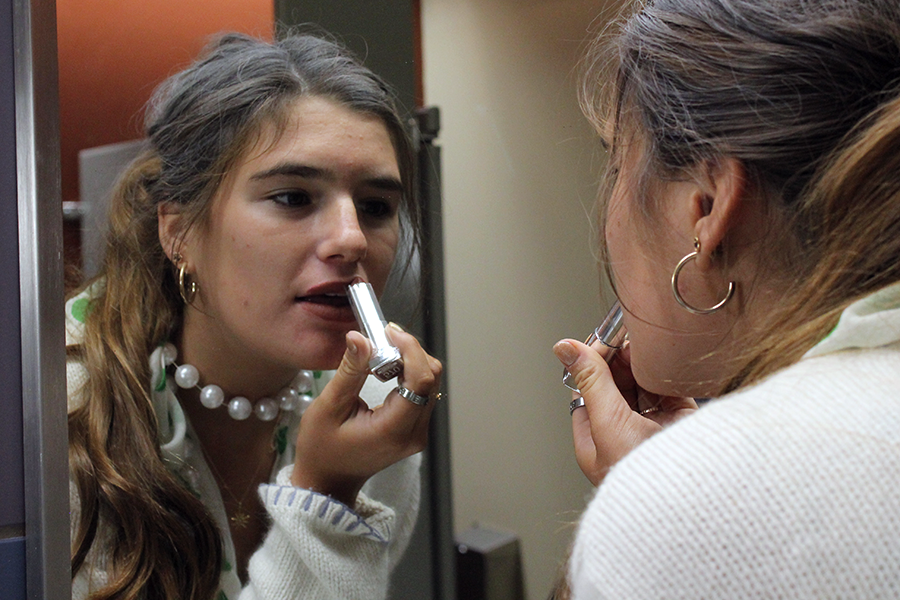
(41, 292)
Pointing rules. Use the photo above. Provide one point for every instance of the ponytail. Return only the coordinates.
(851, 214)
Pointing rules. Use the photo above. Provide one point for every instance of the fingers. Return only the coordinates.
(422, 376)
(421, 372)
(585, 449)
(593, 378)
(399, 427)
(607, 429)
(341, 442)
(351, 374)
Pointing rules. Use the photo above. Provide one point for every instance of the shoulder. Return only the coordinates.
(780, 486)
(77, 309)
(76, 379)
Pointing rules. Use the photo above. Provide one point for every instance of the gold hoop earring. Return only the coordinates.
(187, 295)
(681, 301)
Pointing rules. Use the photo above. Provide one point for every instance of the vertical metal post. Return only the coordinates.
(435, 336)
(12, 474)
(41, 301)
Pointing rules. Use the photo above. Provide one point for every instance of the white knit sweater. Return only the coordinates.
(789, 489)
(316, 549)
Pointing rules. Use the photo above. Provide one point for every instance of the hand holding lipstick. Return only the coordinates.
(342, 442)
(618, 414)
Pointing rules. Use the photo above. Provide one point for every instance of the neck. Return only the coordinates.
(224, 361)
(223, 437)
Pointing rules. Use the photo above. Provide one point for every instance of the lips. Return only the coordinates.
(328, 301)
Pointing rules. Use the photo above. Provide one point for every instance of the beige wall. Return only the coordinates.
(520, 166)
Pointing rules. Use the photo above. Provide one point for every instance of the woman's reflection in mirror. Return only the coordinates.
(276, 174)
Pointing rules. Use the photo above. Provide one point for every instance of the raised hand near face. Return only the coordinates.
(341, 442)
(617, 415)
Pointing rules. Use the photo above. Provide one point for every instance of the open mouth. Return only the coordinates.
(336, 300)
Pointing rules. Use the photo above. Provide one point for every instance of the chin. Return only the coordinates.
(326, 360)
(328, 364)
(327, 357)
(315, 352)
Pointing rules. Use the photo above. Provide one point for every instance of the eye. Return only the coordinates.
(378, 208)
(291, 198)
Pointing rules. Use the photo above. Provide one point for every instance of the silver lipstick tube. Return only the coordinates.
(609, 333)
(385, 362)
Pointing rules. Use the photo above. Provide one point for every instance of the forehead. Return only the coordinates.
(320, 128)
(315, 135)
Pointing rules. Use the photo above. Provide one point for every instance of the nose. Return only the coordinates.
(342, 236)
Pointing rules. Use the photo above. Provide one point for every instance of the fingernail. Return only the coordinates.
(351, 347)
(390, 328)
(565, 352)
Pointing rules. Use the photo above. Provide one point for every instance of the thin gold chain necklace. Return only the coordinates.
(240, 517)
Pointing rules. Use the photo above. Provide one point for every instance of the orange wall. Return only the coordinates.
(112, 53)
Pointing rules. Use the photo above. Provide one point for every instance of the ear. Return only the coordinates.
(171, 232)
(717, 204)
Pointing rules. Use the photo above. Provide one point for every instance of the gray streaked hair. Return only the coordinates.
(777, 84)
(201, 119)
(806, 95)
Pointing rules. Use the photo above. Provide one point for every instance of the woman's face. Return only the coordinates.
(306, 211)
(673, 352)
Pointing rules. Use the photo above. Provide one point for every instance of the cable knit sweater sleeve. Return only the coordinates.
(318, 548)
(787, 490)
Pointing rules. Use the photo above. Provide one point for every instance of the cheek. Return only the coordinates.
(620, 245)
(382, 251)
(243, 263)
(613, 235)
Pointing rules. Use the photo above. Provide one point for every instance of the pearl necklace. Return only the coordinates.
(296, 396)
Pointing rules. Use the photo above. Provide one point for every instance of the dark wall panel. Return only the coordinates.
(381, 32)
(12, 569)
(12, 509)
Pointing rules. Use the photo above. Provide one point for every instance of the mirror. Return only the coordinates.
(519, 175)
(130, 47)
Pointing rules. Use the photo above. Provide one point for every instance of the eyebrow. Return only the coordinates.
(385, 183)
(292, 169)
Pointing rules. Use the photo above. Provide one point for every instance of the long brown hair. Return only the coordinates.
(162, 542)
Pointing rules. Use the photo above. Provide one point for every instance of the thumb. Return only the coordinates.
(585, 365)
(343, 390)
(603, 399)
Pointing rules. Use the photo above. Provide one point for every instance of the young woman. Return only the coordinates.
(752, 234)
(275, 175)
